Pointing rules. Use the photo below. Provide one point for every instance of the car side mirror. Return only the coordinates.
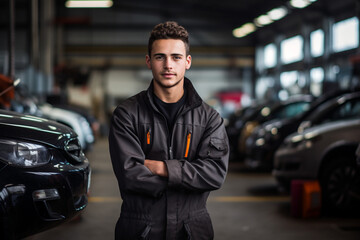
(304, 125)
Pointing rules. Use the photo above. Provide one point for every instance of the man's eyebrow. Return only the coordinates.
(163, 54)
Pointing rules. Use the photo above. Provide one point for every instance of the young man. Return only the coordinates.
(168, 148)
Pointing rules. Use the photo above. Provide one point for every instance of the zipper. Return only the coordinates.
(168, 134)
(171, 153)
(188, 140)
(146, 232)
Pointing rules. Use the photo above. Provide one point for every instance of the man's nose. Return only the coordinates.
(168, 63)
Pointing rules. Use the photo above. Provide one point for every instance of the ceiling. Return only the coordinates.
(208, 14)
(210, 22)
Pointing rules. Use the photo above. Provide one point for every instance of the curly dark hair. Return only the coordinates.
(169, 30)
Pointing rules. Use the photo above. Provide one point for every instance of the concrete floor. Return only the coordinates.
(247, 207)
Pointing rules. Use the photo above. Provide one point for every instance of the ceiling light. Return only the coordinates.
(88, 4)
(300, 3)
(277, 13)
(244, 30)
(239, 33)
(263, 20)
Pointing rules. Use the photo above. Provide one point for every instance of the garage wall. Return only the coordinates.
(107, 88)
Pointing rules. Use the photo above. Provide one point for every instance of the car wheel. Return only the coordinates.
(340, 184)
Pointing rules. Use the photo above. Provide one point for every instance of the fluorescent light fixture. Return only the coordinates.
(244, 30)
(300, 3)
(239, 33)
(277, 13)
(271, 16)
(88, 4)
(263, 20)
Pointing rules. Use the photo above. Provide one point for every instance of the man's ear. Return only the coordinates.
(188, 62)
(148, 63)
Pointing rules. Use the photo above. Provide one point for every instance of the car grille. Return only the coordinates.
(73, 149)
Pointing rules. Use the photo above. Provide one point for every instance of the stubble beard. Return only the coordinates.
(161, 84)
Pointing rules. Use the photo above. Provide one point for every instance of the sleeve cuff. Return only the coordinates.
(174, 172)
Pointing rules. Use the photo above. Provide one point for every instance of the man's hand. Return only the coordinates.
(157, 167)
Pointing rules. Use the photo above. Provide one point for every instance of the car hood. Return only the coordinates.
(277, 123)
(27, 127)
(318, 130)
(268, 125)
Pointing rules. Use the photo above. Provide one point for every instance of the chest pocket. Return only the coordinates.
(217, 148)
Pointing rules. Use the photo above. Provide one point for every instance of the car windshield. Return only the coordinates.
(347, 110)
(291, 110)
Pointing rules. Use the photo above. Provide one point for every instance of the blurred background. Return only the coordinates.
(259, 50)
(268, 67)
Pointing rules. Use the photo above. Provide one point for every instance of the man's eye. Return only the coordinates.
(177, 57)
(159, 57)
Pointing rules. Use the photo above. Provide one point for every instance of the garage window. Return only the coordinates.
(317, 43)
(270, 55)
(346, 34)
(292, 49)
(317, 78)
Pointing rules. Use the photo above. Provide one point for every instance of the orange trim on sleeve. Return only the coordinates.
(188, 138)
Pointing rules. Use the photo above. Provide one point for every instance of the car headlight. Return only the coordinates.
(23, 154)
(250, 128)
(303, 141)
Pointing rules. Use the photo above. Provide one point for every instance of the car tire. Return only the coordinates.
(340, 185)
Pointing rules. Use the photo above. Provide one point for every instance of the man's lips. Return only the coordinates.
(168, 75)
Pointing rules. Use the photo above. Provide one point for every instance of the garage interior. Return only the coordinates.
(94, 58)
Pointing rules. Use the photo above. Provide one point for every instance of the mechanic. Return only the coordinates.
(168, 148)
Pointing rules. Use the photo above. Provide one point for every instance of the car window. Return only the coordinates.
(347, 110)
(292, 110)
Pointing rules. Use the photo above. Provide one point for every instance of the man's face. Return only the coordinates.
(168, 62)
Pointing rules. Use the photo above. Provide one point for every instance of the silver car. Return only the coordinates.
(324, 149)
(71, 119)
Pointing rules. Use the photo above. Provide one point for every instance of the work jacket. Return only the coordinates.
(196, 156)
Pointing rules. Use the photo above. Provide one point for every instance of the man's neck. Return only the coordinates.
(169, 95)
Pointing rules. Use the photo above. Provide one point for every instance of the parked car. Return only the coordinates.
(86, 113)
(27, 104)
(254, 135)
(71, 119)
(237, 121)
(61, 101)
(277, 129)
(324, 149)
(44, 175)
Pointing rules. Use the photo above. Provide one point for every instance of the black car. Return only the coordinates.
(259, 155)
(235, 125)
(44, 175)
